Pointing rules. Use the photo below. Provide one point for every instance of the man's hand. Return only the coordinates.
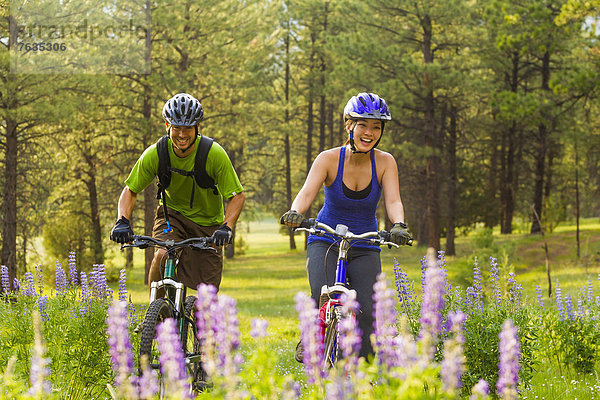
(222, 235)
(292, 219)
(400, 234)
(121, 232)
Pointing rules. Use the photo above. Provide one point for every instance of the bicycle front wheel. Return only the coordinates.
(332, 339)
(191, 347)
(159, 310)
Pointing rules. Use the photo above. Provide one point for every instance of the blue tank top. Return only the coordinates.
(358, 215)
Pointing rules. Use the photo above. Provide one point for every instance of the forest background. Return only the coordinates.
(494, 106)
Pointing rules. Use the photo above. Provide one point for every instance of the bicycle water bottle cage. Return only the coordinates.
(341, 229)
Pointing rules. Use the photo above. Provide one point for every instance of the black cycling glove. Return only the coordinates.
(292, 219)
(400, 234)
(222, 235)
(121, 232)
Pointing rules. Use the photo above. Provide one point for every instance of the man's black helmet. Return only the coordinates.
(183, 110)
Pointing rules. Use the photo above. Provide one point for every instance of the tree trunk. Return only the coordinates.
(451, 181)
(287, 149)
(9, 200)
(540, 156)
(150, 202)
(96, 238)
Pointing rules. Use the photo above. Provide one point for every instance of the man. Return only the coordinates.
(187, 209)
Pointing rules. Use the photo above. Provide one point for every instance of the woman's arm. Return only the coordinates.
(312, 185)
(391, 189)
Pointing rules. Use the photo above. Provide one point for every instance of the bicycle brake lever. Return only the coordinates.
(203, 246)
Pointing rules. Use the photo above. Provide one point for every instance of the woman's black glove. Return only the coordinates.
(400, 234)
(121, 232)
(292, 219)
(222, 235)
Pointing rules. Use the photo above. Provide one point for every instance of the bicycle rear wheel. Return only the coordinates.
(191, 347)
(332, 338)
(159, 310)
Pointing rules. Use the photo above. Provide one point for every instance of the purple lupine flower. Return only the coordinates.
(131, 310)
(312, 338)
(39, 274)
(515, 292)
(42, 301)
(431, 308)
(100, 288)
(291, 390)
(123, 285)
(385, 322)
(350, 333)
(540, 297)
(510, 353)
(60, 283)
(86, 295)
(477, 287)
(480, 391)
(28, 287)
(228, 338)
(16, 285)
(494, 275)
(580, 308)
(453, 364)
(5, 279)
(120, 350)
(406, 293)
(74, 281)
(39, 369)
(206, 309)
(423, 269)
(172, 360)
(339, 388)
(443, 267)
(147, 382)
(559, 302)
(259, 328)
(569, 304)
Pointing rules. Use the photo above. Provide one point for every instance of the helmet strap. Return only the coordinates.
(353, 146)
(193, 141)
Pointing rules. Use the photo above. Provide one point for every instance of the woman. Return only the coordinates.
(354, 176)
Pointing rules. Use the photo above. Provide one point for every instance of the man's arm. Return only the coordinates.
(126, 203)
(234, 208)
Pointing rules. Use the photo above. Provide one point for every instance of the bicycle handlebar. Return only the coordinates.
(143, 242)
(315, 227)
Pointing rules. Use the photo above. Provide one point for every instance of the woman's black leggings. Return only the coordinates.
(361, 273)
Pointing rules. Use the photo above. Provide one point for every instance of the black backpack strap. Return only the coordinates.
(164, 174)
(202, 178)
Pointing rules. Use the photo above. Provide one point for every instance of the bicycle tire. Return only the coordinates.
(191, 347)
(159, 310)
(332, 339)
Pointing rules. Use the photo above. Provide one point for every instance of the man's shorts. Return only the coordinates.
(195, 266)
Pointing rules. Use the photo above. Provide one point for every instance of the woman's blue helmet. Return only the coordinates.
(367, 106)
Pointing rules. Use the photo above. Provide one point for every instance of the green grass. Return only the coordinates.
(267, 276)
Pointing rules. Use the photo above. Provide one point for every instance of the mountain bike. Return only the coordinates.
(330, 307)
(174, 305)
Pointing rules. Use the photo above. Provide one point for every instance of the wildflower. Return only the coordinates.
(423, 269)
(100, 288)
(5, 279)
(28, 288)
(228, 338)
(495, 280)
(406, 293)
(16, 285)
(259, 328)
(350, 333)
(120, 350)
(86, 296)
(559, 303)
(42, 301)
(172, 360)
(207, 306)
(39, 370)
(147, 383)
(509, 348)
(312, 337)
(39, 274)
(477, 287)
(453, 364)
(516, 290)
(73, 269)
(123, 285)
(385, 322)
(540, 299)
(431, 307)
(481, 390)
(569, 304)
(60, 283)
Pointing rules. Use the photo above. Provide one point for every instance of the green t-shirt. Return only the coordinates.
(207, 209)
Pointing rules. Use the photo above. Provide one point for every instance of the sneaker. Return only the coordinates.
(138, 328)
(299, 356)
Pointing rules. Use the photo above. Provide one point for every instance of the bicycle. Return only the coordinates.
(174, 305)
(330, 307)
